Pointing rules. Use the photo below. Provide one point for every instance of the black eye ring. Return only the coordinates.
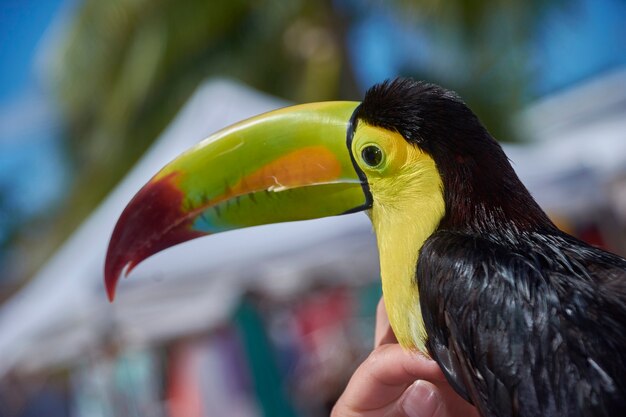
(372, 155)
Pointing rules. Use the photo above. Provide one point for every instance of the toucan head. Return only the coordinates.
(408, 154)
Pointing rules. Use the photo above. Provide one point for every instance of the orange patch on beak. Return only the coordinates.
(313, 165)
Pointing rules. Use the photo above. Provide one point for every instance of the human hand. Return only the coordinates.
(392, 382)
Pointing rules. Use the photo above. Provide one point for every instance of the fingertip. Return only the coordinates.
(381, 311)
(383, 332)
(421, 400)
(382, 328)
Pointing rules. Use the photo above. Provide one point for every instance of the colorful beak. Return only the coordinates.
(289, 164)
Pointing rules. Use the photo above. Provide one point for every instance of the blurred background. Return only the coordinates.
(95, 96)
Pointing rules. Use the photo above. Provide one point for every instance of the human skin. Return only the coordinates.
(393, 382)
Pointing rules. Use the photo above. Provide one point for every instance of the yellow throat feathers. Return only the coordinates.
(408, 205)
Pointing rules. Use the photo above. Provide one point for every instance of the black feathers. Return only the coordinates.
(419, 111)
(532, 329)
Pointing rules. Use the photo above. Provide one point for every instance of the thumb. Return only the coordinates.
(422, 399)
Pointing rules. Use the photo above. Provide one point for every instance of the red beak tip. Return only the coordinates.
(110, 282)
(152, 221)
(111, 279)
(111, 294)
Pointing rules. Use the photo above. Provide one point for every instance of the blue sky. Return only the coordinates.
(588, 38)
(33, 170)
(22, 25)
(575, 42)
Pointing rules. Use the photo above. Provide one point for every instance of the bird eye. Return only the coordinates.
(372, 155)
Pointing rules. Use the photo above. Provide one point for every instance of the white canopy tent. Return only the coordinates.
(577, 144)
(63, 312)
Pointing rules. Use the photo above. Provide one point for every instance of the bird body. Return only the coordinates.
(535, 327)
(523, 319)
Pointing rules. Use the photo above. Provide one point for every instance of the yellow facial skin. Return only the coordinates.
(407, 208)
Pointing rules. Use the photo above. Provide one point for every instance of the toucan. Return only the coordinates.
(523, 319)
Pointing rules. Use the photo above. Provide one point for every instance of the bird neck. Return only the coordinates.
(403, 220)
(485, 196)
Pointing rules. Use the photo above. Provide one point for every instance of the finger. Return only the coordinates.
(421, 399)
(383, 334)
(384, 376)
(424, 399)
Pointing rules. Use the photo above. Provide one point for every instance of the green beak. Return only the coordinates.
(289, 164)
